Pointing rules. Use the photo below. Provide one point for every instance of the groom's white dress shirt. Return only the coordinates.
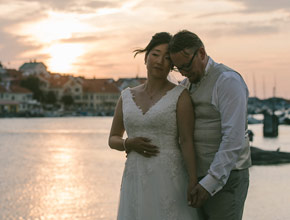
(230, 96)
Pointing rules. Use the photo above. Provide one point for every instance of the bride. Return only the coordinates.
(160, 169)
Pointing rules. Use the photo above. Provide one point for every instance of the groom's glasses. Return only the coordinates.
(186, 67)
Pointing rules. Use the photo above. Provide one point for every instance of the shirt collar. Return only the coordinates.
(208, 65)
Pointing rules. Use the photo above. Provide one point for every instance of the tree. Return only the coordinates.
(50, 98)
(33, 84)
(67, 100)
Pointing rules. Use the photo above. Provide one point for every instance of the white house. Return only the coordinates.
(33, 68)
(15, 99)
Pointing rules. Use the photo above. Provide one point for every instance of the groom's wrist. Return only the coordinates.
(210, 184)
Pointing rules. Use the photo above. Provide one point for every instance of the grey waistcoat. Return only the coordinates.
(207, 131)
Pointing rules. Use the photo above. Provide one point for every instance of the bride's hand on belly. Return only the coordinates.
(142, 146)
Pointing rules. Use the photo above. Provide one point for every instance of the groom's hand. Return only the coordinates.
(200, 194)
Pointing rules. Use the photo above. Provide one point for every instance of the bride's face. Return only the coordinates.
(158, 61)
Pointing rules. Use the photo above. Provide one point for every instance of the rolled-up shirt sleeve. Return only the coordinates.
(230, 96)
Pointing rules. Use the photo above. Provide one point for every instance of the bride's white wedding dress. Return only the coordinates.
(154, 188)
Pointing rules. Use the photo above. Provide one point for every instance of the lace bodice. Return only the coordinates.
(158, 123)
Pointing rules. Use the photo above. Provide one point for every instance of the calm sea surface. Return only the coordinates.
(62, 168)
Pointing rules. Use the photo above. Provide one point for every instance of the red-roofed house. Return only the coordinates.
(65, 85)
(100, 95)
(62, 85)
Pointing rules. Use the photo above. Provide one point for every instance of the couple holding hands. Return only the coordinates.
(187, 149)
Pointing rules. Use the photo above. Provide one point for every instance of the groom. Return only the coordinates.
(220, 98)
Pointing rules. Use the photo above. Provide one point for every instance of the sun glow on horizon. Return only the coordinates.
(55, 27)
(63, 56)
(53, 34)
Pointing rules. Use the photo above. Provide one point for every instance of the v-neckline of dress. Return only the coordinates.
(154, 104)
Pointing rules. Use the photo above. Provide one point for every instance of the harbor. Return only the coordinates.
(62, 168)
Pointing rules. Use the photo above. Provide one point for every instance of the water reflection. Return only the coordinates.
(65, 169)
(61, 177)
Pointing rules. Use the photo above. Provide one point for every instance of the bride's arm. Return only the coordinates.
(141, 145)
(185, 124)
(116, 140)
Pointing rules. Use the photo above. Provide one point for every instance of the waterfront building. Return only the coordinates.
(16, 99)
(62, 85)
(100, 95)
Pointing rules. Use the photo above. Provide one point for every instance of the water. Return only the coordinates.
(62, 168)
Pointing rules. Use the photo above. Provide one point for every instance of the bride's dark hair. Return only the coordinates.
(157, 39)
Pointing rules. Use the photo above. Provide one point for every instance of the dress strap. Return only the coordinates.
(126, 94)
(177, 92)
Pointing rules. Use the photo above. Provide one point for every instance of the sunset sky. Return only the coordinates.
(96, 38)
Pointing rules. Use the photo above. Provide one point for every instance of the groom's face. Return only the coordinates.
(188, 63)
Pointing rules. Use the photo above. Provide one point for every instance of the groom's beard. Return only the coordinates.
(195, 77)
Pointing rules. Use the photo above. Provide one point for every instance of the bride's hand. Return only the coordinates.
(142, 146)
(191, 198)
